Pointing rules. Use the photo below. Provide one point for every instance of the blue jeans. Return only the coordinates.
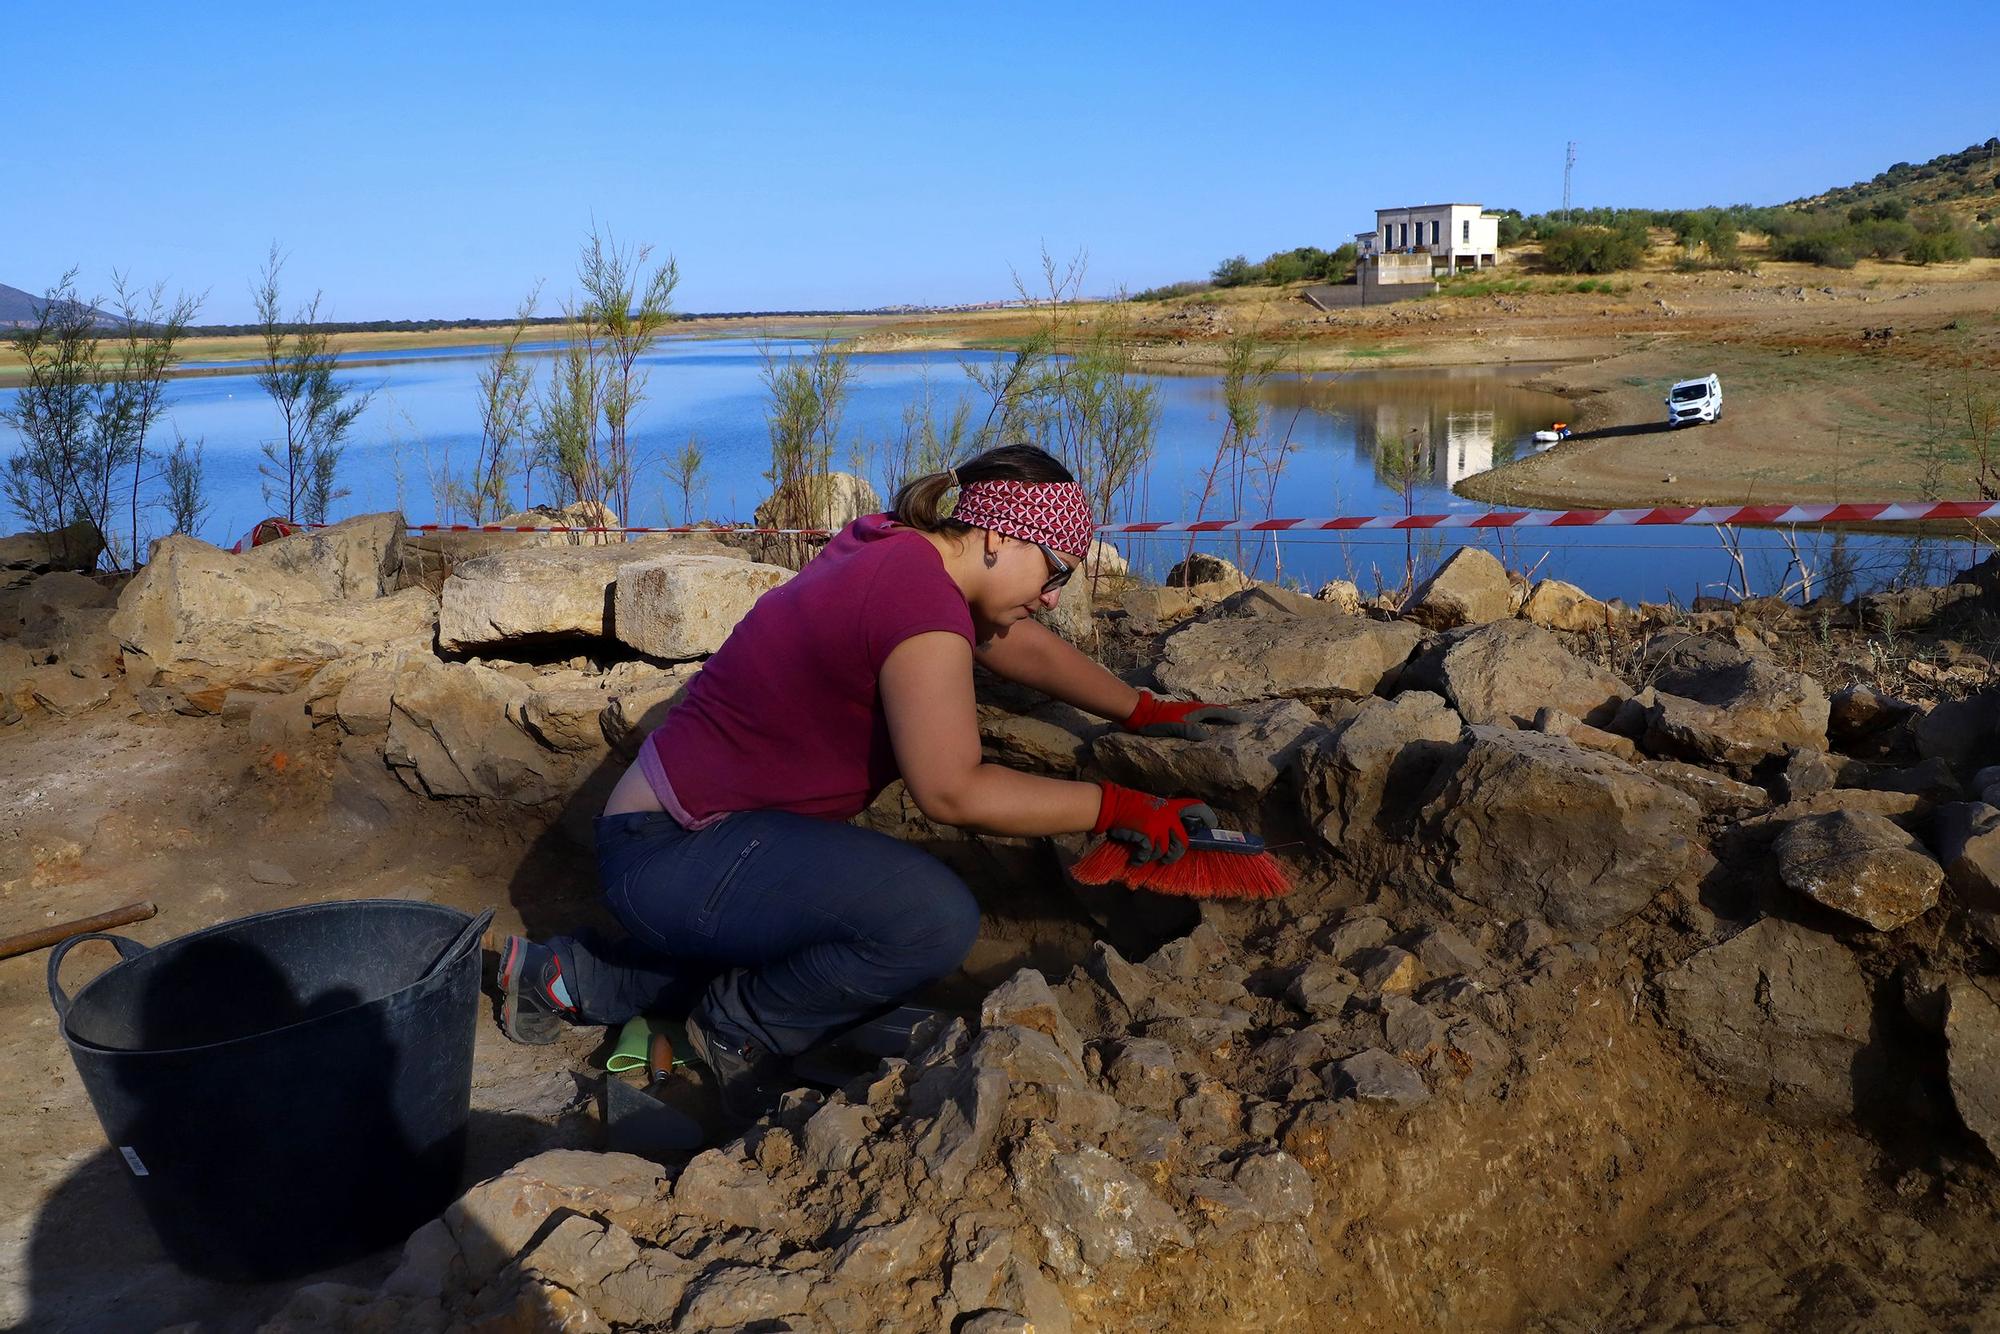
(791, 927)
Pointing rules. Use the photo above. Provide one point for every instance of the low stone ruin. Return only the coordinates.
(1568, 874)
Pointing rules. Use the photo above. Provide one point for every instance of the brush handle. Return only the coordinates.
(1204, 839)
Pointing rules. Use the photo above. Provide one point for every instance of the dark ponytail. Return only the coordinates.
(918, 503)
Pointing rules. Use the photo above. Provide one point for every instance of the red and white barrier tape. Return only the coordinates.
(1698, 515)
(1704, 515)
(559, 528)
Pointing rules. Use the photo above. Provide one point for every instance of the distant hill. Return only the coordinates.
(18, 308)
(1965, 184)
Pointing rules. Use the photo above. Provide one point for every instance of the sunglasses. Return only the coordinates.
(1060, 569)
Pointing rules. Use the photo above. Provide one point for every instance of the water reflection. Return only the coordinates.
(1373, 442)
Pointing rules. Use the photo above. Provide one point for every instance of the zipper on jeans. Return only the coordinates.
(715, 895)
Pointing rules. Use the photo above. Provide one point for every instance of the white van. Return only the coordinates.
(1694, 401)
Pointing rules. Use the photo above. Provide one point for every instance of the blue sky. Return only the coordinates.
(436, 159)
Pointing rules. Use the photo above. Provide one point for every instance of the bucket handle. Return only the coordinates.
(473, 930)
(127, 949)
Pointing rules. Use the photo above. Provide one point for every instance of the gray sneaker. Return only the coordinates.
(529, 1011)
(748, 1079)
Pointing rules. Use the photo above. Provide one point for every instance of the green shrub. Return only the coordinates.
(1938, 246)
(1882, 238)
(1593, 249)
(1232, 272)
(1832, 249)
(1288, 266)
(1170, 292)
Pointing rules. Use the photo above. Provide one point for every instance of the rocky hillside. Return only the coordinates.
(1643, 969)
(1965, 184)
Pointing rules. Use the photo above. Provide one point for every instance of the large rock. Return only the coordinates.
(1968, 847)
(1237, 764)
(76, 547)
(959, 1106)
(429, 557)
(1230, 659)
(1202, 568)
(1720, 705)
(1860, 865)
(1091, 1210)
(1373, 771)
(1530, 825)
(564, 711)
(495, 1220)
(450, 735)
(198, 622)
(1073, 617)
(1471, 588)
(1778, 1013)
(1972, 1032)
(832, 501)
(1859, 712)
(683, 607)
(1555, 605)
(1964, 733)
(359, 558)
(1508, 671)
(82, 641)
(31, 613)
(1718, 794)
(1104, 561)
(577, 514)
(535, 594)
(189, 582)
(635, 709)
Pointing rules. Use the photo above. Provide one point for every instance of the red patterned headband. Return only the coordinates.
(1053, 513)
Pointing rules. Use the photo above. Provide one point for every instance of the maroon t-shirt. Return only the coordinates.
(787, 715)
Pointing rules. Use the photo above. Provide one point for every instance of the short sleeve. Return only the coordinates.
(911, 595)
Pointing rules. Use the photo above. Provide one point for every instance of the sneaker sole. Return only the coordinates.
(510, 1001)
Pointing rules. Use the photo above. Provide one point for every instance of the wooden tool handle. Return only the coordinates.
(659, 1058)
(40, 939)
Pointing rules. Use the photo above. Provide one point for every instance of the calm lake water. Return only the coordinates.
(423, 424)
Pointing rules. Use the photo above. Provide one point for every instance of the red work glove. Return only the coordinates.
(1176, 717)
(1154, 826)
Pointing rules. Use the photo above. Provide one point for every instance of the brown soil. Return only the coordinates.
(1606, 1189)
(116, 807)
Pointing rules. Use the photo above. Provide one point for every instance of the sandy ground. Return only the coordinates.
(116, 807)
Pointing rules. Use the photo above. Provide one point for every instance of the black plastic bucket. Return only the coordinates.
(290, 1090)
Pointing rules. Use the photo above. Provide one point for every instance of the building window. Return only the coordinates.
(1465, 230)
(1434, 232)
(1388, 235)
(1406, 235)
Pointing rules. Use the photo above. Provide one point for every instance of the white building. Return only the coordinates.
(1454, 236)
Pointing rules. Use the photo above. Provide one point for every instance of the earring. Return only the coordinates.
(991, 560)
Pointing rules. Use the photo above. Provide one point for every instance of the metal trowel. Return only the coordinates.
(637, 1122)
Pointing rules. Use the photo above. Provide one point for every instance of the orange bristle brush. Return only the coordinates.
(1218, 864)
